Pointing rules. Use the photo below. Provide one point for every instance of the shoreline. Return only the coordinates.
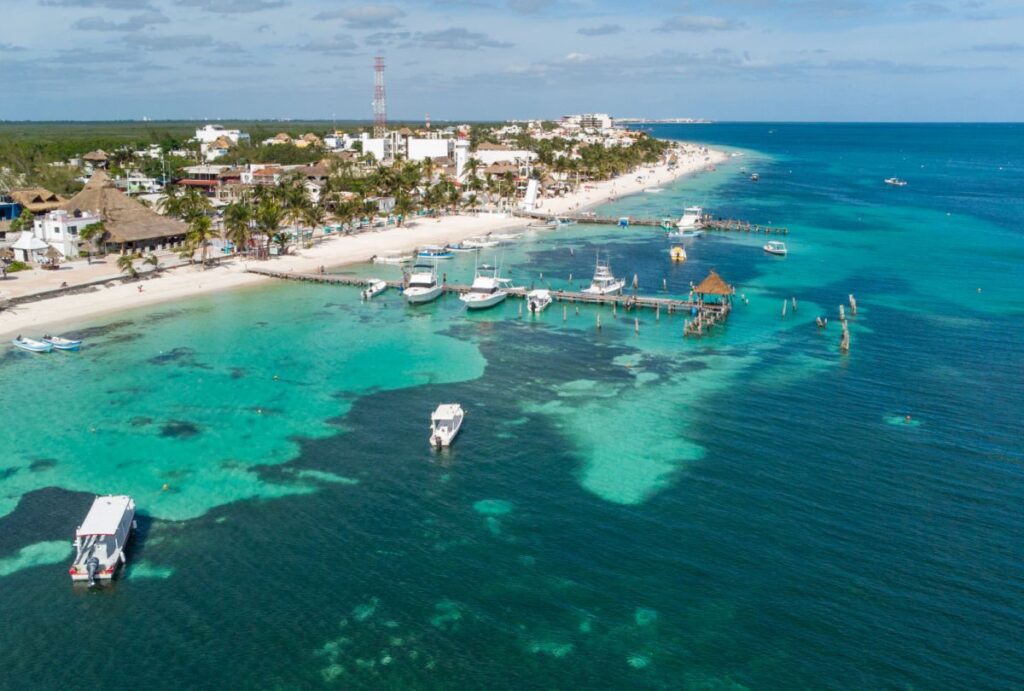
(185, 282)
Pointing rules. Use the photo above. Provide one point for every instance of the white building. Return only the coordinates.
(61, 229)
(207, 134)
(422, 149)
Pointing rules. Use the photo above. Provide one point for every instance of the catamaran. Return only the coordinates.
(604, 283)
(100, 540)
(423, 285)
(487, 290)
(445, 423)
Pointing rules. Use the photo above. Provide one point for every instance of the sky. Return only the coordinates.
(817, 60)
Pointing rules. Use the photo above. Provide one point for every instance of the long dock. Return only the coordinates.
(711, 311)
(707, 222)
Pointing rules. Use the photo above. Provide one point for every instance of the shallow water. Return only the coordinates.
(622, 509)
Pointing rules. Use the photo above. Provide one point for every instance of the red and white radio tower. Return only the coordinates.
(380, 102)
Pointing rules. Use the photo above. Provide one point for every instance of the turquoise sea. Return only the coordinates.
(622, 509)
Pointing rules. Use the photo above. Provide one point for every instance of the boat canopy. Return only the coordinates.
(105, 516)
(446, 411)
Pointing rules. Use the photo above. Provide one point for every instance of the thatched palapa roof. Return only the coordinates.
(125, 219)
(99, 155)
(36, 199)
(713, 285)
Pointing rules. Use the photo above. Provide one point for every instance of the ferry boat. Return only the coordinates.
(32, 345)
(604, 283)
(435, 252)
(538, 300)
(100, 540)
(423, 285)
(445, 423)
(392, 257)
(896, 182)
(487, 290)
(376, 287)
(775, 247)
(60, 343)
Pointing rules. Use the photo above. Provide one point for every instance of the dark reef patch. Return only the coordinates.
(179, 429)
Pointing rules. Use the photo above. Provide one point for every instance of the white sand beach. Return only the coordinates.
(35, 318)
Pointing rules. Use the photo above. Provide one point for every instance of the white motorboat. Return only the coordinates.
(392, 257)
(462, 247)
(653, 190)
(691, 218)
(896, 182)
(538, 300)
(542, 225)
(60, 343)
(559, 222)
(481, 242)
(507, 237)
(100, 540)
(376, 287)
(776, 247)
(445, 423)
(487, 290)
(604, 283)
(32, 345)
(423, 285)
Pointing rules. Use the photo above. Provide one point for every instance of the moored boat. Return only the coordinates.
(376, 287)
(480, 242)
(393, 257)
(423, 286)
(100, 540)
(604, 283)
(32, 345)
(691, 219)
(435, 252)
(776, 247)
(445, 423)
(896, 182)
(462, 247)
(678, 254)
(487, 290)
(60, 343)
(653, 190)
(538, 300)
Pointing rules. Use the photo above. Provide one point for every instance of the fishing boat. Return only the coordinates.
(604, 283)
(538, 300)
(376, 287)
(60, 343)
(559, 222)
(462, 247)
(32, 345)
(755, 177)
(896, 182)
(481, 242)
(392, 257)
(423, 285)
(691, 219)
(445, 423)
(487, 290)
(776, 247)
(678, 254)
(100, 540)
(435, 252)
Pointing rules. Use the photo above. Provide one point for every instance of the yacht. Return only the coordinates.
(775, 247)
(423, 285)
(691, 218)
(445, 423)
(538, 300)
(488, 289)
(896, 182)
(604, 283)
(100, 540)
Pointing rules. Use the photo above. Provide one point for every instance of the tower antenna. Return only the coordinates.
(380, 103)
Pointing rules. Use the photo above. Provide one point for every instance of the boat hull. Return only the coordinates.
(33, 347)
(610, 290)
(418, 296)
(480, 303)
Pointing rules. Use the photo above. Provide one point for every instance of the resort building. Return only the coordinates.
(130, 226)
(214, 140)
(61, 230)
(35, 200)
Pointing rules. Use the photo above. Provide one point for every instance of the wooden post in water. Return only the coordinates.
(794, 304)
(598, 322)
(853, 305)
(842, 314)
(844, 340)
(565, 312)
(664, 284)
(614, 302)
(520, 310)
(784, 303)
(636, 325)
(657, 312)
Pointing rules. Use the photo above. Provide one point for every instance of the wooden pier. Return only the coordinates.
(707, 312)
(707, 222)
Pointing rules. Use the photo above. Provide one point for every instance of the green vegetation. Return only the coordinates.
(17, 266)
(282, 154)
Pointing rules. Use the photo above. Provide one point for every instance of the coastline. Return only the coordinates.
(190, 281)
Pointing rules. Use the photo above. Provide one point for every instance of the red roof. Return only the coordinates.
(198, 183)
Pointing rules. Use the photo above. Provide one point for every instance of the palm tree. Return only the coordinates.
(126, 265)
(313, 216)
(404, 205)
(171, 201)
(95, 233)
(200, 232)
(238, 217)
(153, 261)
(268, 216)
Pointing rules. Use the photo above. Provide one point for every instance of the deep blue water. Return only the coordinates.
(748, 510)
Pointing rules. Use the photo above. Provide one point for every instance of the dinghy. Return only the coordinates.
(60, 343)
(376, 287)
(32, 345)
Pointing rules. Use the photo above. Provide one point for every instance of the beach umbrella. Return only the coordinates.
(53, 255)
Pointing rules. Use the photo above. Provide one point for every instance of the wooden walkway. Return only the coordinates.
(626, 301)
(707, 223)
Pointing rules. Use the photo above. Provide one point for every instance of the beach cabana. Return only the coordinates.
(714, 289)
(131, 227)
(28, 247)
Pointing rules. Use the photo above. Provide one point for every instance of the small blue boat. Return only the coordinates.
(32, 345)
(435, 252)
(60, 343)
